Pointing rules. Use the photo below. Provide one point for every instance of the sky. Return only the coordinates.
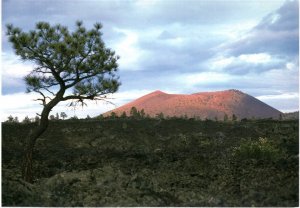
(176, 46)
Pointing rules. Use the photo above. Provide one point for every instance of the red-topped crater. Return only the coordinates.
(201, 105)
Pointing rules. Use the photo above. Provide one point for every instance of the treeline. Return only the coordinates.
(36, 119)
(136, 114)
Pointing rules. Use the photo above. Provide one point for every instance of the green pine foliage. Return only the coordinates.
(69, 66)
(76, 60)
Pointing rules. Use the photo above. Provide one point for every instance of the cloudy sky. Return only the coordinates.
(177, 46)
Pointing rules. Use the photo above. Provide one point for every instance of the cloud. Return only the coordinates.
(13, 71)
(18, 104)
(285, 101)
(186, 38)
(283, 19)
(14, 67)
(279, 96)
(194, 12)
(256, 58)
(272, 44)
(135, 15)
(23, 104)
(176, 46)
(165, 35)
(277, 33)
(128, 50)
(123, 97)
(246, 63)
(202, 78)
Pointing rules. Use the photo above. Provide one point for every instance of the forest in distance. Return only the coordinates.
(134, 161)
(135, 113)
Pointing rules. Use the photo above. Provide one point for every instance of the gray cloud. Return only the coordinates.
(186, 34)
(242, 69)
(183, 50)
(284, 19)
(277, 33)
(12, 85)
(267, 83)
(133, 13)
(165, 35)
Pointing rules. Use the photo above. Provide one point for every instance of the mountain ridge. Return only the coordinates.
(211, 105)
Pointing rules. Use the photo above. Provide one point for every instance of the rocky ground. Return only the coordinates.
(151, 162)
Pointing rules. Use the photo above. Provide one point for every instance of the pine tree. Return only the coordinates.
(63, 115)
(113, 115)
(37, 119)
(10, 119)
(69, 66)
(26, 120)
(57, 116)
(160, 115)
(142, 113)
(225, 117)
(16, 120)
(123, 115)
(134, 112)
(234, 118)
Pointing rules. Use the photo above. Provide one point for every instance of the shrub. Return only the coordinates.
(262, 149)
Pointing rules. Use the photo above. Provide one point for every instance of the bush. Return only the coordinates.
(262, 149)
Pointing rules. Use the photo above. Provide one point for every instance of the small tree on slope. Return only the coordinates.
(74, 66)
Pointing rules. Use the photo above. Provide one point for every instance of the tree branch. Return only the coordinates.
(44, 103)
(80, 79)
(80, 99)
(50, 66)
(46, 88)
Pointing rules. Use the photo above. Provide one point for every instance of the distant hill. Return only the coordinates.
(201, 105)
(292, 115)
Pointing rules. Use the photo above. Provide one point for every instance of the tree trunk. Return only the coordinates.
(27, 168)
(27, 172)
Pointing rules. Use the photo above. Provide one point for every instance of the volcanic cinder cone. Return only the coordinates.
(202, 105)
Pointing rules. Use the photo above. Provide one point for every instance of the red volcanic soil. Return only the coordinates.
(201, 105)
